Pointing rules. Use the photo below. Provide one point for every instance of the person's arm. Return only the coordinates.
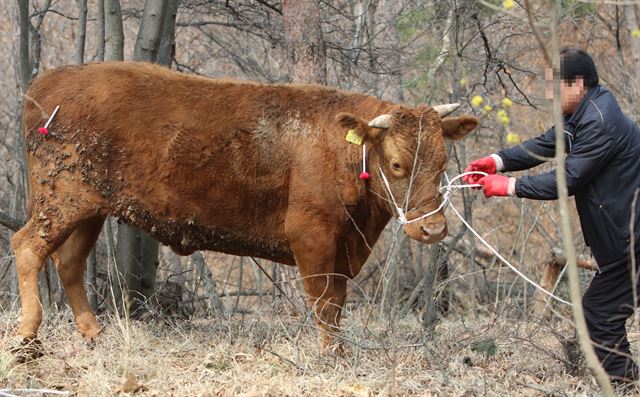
(518, 158)
(590, 152)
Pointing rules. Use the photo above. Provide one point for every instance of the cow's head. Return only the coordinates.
(410, 148)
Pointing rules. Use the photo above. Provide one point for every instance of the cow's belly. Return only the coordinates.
(211, 225)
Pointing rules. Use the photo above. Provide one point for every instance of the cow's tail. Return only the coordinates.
(30, 106)
(28, 98)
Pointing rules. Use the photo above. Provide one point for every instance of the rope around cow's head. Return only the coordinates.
(447, 191)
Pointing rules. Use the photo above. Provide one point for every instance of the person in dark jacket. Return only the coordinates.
(603, 173)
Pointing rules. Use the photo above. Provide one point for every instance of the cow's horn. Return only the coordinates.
(445, 110)
(382, 121)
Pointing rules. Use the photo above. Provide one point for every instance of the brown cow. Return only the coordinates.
(229, 166)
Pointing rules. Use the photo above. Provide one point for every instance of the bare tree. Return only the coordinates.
(166, 51)
(114, 34)
(82, 31)
(632, 25)
(150, 33)
(390, 57)
(100, 16)
(305, 45)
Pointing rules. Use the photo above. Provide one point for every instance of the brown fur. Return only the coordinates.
(229, 166)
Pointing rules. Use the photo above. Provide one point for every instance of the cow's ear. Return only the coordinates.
(350, 121)
(455, 128)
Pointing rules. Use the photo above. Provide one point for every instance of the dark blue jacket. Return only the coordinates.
(603, 172)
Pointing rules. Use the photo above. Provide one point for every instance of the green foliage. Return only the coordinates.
(487, 347)
(426, 55)
(219, 365)
(410, 24)
(576, 9)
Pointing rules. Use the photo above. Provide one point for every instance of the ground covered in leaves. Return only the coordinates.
(277, 355)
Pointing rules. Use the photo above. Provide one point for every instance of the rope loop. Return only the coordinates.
(447, 191)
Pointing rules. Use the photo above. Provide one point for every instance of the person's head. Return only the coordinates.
(578, 74)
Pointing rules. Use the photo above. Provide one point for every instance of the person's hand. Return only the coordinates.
(497, 185)
(485, 164)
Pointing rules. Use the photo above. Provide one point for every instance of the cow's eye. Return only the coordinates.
(396, 166)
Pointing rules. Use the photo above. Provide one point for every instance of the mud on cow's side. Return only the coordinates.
(229, 166)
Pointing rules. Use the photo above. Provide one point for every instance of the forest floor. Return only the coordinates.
(277, 355)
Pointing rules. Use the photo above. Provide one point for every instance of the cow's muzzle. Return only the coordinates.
(433, 233)
(430, 230)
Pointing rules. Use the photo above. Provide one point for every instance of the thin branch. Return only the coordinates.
(536, 32)
(271, 6)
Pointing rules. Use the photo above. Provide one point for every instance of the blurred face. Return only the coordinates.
(570, 93)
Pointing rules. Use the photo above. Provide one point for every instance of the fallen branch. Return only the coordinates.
(9, 392)
(10, 222)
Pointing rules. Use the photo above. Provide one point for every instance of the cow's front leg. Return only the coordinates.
(314, 249)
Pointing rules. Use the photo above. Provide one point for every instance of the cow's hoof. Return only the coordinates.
(90, 333)
(88, 327)
(332, 348)
(26, 349)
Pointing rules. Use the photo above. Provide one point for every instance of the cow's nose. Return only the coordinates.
(434, 232)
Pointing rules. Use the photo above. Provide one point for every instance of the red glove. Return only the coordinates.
(495, 185)
(485, 164)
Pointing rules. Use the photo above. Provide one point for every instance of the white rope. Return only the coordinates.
(496, 253)
(446, 197)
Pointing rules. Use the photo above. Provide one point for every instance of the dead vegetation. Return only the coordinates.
(263, 354)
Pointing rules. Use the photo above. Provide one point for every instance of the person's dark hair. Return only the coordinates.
(575, 62)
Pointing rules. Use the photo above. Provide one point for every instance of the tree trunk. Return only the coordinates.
(24, 60)
(113, 33)
(90, 279)
(632, 25)
(390, 57)
(128, 266)
(100, 52)
(82, 31)
(167, 48)
(150, 32)
(305, 46)
(430, 313)
(25, 73)
(214, 303)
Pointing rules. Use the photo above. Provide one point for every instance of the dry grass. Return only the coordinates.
(277, 355)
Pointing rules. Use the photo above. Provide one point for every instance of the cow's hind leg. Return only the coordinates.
(70, 260)
(31, 245)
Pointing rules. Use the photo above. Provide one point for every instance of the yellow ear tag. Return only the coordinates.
(354, 137)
